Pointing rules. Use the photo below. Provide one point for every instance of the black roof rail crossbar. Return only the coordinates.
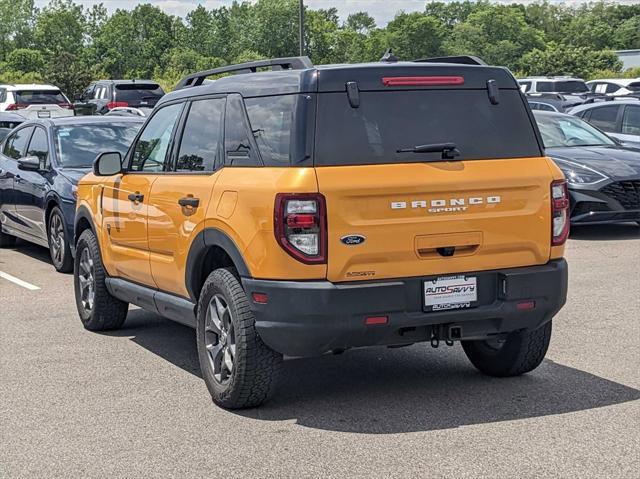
(460, 59)
(290, 63)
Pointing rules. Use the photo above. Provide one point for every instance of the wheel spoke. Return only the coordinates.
(213, 321)
(228, 360)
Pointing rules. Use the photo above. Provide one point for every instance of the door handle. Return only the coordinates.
(136, 197)
(189, 201)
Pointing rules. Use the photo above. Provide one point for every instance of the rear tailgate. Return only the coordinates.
(421, 214)
(43, 103)
(409, 214)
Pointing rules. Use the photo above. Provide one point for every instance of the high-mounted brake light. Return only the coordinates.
(116, 104)
(67, 106)
(423, 81)
(300, 226)
(559, 212)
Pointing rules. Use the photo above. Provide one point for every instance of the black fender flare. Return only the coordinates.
(200, 245)
(82, 213)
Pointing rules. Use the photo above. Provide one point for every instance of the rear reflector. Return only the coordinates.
(372, 320)
(422, 81)
(260, 298)
(526, 305)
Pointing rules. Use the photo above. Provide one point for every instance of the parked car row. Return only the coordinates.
(126, 97)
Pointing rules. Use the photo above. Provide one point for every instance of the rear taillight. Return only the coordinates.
(423, 81)
(15, 106)
(300, 225)
(67, 106)
(559, 212)
(116, 104)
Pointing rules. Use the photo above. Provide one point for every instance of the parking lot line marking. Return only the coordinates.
(18, 281)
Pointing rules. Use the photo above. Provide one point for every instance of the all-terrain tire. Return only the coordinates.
(59, 243)
(522, 351)
(106, 312)
(6, 241)
(256, 367)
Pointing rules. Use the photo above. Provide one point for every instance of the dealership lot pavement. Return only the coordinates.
(131, 403)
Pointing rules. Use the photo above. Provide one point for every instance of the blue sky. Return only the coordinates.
(381, 10)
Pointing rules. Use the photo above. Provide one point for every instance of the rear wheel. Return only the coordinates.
(59, 243)
(518, 353)
(98, 310)
(6, 240)
(239, 370)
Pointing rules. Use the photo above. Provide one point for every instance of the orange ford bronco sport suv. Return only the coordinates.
(292, 209)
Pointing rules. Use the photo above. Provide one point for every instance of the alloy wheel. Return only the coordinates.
(56, 238)
(220, 340)
(86, 280)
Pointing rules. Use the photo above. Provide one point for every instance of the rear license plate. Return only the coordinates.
(44, 114)
(450, 292)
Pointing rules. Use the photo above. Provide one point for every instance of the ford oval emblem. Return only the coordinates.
(353, 240)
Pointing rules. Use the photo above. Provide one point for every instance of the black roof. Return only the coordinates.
(333, 78)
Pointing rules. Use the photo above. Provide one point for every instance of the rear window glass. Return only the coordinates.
(570, 86)
(130, 92)
(386, 122)
(77, 146)
(40, 97)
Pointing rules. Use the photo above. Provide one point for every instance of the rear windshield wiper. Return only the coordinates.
(448, 150)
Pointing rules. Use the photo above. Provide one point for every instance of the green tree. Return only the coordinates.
(498, 34)
(415, 35)
(25, 60)
(569, 60)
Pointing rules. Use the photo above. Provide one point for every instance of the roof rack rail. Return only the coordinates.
(290, 63)
(461, 59)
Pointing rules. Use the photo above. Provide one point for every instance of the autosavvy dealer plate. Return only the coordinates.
(451, 292)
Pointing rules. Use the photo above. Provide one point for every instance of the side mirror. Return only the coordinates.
(29, 163)
(107, 164)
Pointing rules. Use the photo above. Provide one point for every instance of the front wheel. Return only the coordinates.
(518, 353)
(239, 370)
(98, 310)
(58, 242)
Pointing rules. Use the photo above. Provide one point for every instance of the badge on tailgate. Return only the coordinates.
(451, 292)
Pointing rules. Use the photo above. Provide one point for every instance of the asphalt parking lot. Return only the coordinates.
(131, 403)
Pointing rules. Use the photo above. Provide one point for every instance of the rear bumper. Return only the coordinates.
(310, 318)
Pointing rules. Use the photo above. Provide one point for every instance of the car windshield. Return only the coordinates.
(569, 86)
(78, 145)
(558, 131)
(40, 97)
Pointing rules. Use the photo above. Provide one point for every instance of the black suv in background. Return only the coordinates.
(104, 95)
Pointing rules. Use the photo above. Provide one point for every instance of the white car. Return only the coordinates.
(615, 86)
(35, 101)
(618, 117)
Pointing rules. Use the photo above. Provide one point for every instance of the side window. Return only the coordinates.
(88, 93)
(3, 95)
(16, 144)
(271, 121)
(150, 152)
(237, 146)
(98, 93)
(200, 148)
(604, 117)
(544, 86)
(631, 120)
(39, 146)
(612, 88)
